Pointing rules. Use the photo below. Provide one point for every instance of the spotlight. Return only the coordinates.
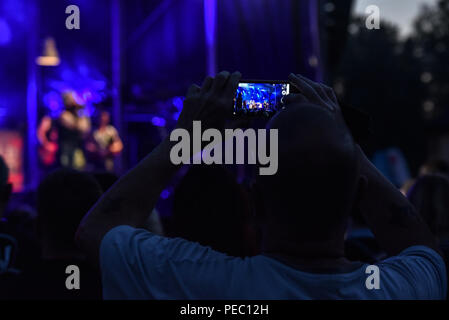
(50, 57)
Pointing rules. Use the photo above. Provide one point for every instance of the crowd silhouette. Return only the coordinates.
(307, 232)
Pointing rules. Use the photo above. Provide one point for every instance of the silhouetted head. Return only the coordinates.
(105, 179)
(430, 196)
(5, 187)
(105, 118)
(63, 198)
(434, 166)
(69, 100)
(211, 208)
(310, 197)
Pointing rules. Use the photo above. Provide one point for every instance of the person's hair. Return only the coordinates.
(430, 196)
(105, 179)
(63, 198)
(211, 208)
(69, 100)
(4, 172)
(310, 197)
(435, 166)
(5, 187)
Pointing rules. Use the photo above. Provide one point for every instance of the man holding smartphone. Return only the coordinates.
(303, 212)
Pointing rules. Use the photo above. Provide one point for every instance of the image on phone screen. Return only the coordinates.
(260, 98)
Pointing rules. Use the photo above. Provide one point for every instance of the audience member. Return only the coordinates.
(5, 186)
(105, 179)
(8, 242)
(18, 248)
(63, 197)
(323, 175)
(430, 196)
(211, 208)
(434, 166)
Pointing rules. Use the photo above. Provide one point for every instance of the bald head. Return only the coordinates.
(308, 131)
(313, 190)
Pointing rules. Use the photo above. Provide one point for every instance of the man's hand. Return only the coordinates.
(211, 104)
(315, 93)
(312, 92)
(130, 200)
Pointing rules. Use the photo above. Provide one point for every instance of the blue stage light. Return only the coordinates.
(177, 102)
(158, 121)
(165, 194)
(5, 32)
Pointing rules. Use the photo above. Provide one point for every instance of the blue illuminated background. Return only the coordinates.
(164, 46)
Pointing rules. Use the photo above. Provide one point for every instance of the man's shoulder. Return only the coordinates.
(416, 252)
(131, 243)
(148, 265)
(419, 268)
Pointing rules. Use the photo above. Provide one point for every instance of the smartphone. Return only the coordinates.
(260, 98)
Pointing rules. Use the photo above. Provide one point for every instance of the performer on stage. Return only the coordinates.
(105, 144)
(73, 129)
(47, 134)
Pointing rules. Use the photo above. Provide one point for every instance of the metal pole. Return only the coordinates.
(116, 74)
(210, 27)
(32, 112)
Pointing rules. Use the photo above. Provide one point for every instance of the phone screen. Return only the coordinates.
(260, 98)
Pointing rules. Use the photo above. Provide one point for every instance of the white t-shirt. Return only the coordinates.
(137, 264)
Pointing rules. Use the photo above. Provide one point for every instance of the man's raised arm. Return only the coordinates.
(391, 217)
(132, 198)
